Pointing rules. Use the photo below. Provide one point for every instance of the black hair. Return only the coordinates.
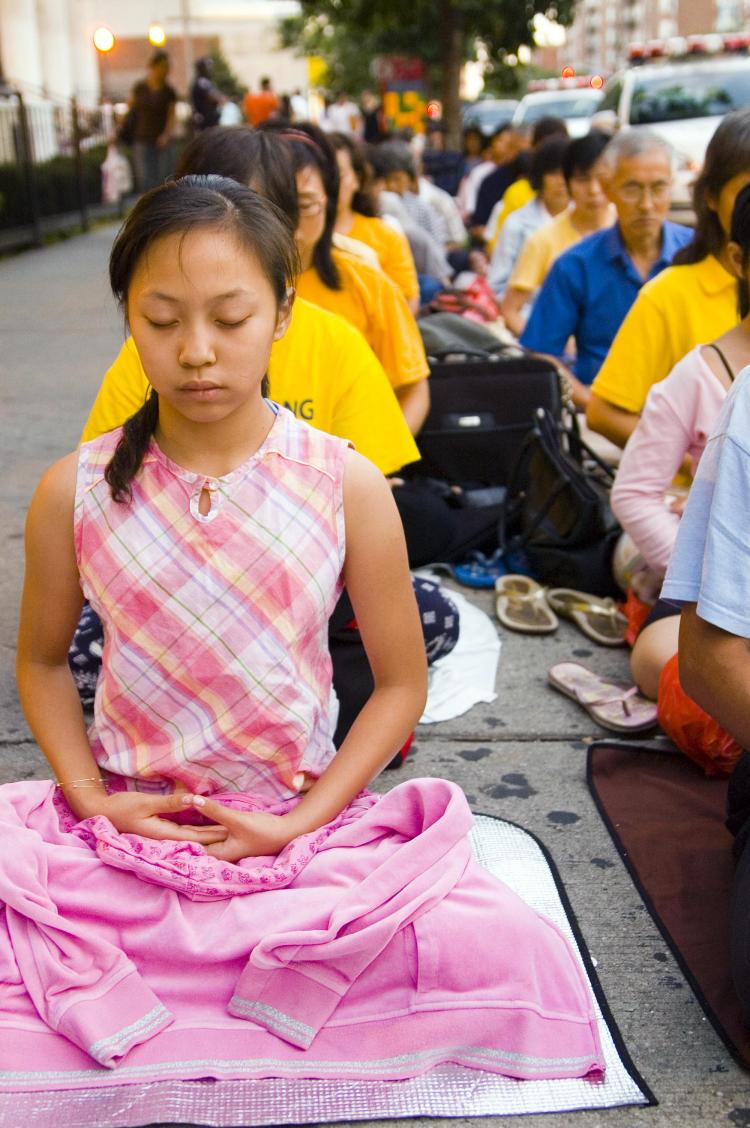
(363, 200)
(179, 207)
(727, 155)
(545, 127)
(248, 156)
(740, 234)
(501, 129)
(310, 148)
(472, 131)
(582, 154)
(548, 157)
(393, 156)
(158, 57)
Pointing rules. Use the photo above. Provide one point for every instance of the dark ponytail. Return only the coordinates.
(310, 148)
(126, 461)
(727, 155)
(364, 200)
(179, 207)
(740, 234)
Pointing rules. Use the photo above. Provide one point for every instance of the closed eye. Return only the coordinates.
(161, 324)
(232, 324)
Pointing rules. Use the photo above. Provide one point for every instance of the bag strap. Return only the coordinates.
(550, 434)
(544, 433)
(723, 360)
(572, 431)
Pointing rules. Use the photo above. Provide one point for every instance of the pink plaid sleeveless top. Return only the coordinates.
(216, 670)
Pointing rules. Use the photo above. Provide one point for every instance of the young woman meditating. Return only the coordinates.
(209, 890)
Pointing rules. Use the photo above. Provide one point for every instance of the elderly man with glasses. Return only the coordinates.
(591, 287)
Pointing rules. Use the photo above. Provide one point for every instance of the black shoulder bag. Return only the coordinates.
(557, 511)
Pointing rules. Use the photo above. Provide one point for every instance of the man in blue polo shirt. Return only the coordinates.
(592, 285)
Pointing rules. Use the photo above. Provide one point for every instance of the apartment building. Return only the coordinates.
(598, 40)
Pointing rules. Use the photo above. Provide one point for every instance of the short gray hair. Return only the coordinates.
(634, 143)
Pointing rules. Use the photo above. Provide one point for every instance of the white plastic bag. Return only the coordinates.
(231, 114)
(117, 177)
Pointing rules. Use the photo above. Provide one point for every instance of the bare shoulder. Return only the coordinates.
(362, 479)
(375, 544)
(57, 488)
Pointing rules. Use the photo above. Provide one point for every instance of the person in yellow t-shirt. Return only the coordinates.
(590, 211)
(322, 370)
(692, 301)
(357, 217)
(365, 297)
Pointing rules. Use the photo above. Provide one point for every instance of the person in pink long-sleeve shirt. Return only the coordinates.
(677, 419)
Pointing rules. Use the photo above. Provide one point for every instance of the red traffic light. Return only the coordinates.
(568, 72)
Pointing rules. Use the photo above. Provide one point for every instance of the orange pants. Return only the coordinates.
(694, 731)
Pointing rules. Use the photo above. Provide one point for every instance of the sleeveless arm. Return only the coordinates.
(50, 608)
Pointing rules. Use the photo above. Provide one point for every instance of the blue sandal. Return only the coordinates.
(479, 570)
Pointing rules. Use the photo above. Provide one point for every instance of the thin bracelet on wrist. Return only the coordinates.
(75, 784)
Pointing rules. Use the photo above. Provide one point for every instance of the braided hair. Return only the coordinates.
(179, 207)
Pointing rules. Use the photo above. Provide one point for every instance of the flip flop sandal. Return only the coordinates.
(479, 570)
(521, 605)
(613, 704)
(599, 619)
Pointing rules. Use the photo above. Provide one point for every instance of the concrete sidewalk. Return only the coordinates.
(521, 758)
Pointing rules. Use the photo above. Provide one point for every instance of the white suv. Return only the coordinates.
(574, 106)
(682, 101)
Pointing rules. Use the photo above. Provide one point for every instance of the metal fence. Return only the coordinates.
(51, 154)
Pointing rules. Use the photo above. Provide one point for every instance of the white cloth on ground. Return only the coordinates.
(466, 676)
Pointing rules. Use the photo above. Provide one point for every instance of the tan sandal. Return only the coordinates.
(598, 618)
(521, 605)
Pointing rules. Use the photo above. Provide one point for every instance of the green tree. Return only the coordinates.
(223, 75)
(444, 34)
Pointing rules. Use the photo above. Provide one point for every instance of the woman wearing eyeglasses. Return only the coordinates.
(366, 297)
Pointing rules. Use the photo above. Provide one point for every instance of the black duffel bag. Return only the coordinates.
(557, 511)
(483, 395)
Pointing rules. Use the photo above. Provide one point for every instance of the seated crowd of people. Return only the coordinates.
(213, 562)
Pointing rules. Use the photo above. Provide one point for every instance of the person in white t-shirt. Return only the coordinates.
(343, 116)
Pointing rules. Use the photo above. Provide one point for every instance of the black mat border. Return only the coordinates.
(642, 893)
(601, 998)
